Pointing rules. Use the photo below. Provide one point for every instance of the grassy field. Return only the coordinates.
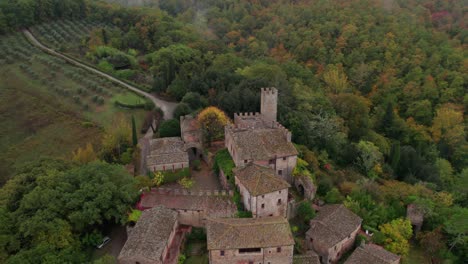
(48, 107)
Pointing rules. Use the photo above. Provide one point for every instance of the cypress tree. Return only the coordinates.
(395, 156)
(134, 133)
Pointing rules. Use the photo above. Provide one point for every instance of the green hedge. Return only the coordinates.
(224, 161)
(174, 176)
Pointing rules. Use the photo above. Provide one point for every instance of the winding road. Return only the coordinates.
(166, 106)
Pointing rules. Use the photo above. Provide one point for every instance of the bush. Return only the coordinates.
(170, 128)
(173, 176)
(224, 161)
(181, 110)
(305, 211)
(187, 183)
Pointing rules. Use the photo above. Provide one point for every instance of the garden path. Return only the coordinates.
(166, 106)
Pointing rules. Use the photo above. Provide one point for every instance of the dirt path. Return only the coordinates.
(166, 107)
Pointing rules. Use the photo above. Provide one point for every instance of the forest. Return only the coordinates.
(374, 92)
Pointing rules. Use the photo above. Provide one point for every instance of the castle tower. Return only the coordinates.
(269, 104)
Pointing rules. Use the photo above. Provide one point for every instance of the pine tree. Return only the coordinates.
(134, 133)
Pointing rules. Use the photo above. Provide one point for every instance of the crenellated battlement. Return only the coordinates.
(269, 90)
(249, 114)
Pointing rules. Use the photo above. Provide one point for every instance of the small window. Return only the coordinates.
(278, 249)
(263, 205)
(272, 162)
(245, 161)
(221, 253)
(284, 158)
(280, 172)
(263, 196)
(311, 240)
(279, 201)
(250, 262)
(335, 247)
(279, 191)
(249, 250)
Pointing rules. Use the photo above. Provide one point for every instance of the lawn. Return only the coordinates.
(48, 107)
(129, 100)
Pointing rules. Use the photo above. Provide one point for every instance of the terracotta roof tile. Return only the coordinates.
(166, 151)
(372, 254)
(234, 233)
(260, 180)
(150, 235)
(333, 223)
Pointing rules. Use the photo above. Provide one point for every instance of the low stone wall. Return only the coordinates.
(223, 179)
(163, 190)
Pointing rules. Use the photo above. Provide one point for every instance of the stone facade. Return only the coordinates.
(305, 186)
(268, 255)
(269, 104)
(267, 241)
(333, 232)
(263, 193)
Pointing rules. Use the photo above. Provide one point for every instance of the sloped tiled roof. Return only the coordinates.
(214, 206)
(371, 254)
(260, 180)
(166, 151)
(234, 233)
(309, 258)
(150, 235)
(262, 144)
(332, 224)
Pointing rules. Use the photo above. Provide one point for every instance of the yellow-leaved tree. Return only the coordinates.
(86, 155)
(212, 121)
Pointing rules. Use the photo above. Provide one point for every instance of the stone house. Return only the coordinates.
(333, 232)
(167, 154)
(250, 240)
(263, 193)
(372, 254)
(259, 138)
(192, 209)
(192, 136)
(152, 238)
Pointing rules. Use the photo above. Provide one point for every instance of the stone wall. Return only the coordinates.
(292, 209)
(265, 256)
(172, 191)
(269, 103)
(170, 166)
(223, 180)
(305, 184)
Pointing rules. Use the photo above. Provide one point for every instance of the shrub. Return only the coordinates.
(169, 128)
(181, 110)
(224, 161)
(305, 211)
(187, 183)
(173, 176)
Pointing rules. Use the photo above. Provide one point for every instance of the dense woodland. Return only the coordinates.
(373, 91)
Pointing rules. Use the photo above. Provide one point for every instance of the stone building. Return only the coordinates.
(152, 239)
(193, 208)
(416, 216)
(167, 154)
(263, 193)
(192, 136)
(259, 138)
(372, 254)
(250, 240)
(333, 232)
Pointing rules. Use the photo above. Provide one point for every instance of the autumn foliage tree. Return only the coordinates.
(213, 121)
(397, 233)
(84, 155)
